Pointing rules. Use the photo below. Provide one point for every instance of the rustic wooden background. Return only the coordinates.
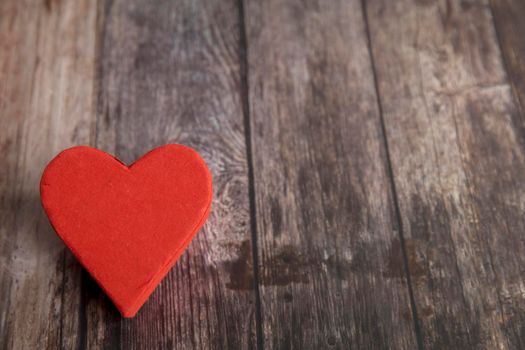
(368, 161)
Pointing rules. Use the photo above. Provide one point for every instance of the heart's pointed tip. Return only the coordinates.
(130, 307)
(128, 313)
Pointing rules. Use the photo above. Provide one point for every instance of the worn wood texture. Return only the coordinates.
(330, 263)
(47, 55)
(373, 149)
(169, 73)
(457, 150)
(508, 17)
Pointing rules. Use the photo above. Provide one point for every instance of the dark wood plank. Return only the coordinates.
(457, 152)
(330, 260)
(510, 27)
(170, 74)
(47, 66)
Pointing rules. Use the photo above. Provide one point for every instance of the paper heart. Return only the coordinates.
(127, 225)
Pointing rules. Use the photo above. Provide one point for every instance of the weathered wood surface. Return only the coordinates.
(367, 155)
(330, 268)
(457, 152)
(510, 27)
(47, 52)
(170, 73)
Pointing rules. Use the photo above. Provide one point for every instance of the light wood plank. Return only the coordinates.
(47, 64)
(330, 259)
(458, 162)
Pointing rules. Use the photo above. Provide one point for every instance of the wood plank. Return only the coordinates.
(47, 64)
(457, 152)
(330, 259)
(170, 74)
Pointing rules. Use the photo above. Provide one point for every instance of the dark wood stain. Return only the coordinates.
(276, 217)
(395, 267)
(241, 269)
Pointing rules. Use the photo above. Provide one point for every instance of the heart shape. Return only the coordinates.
(127, 225)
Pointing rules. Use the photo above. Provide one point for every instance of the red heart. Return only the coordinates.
(127, 225)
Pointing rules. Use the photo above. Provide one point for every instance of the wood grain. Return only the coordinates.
(170, 74)
(374, 150)
(330, 260)
(47, 66)
(510, 27)
(457, 152)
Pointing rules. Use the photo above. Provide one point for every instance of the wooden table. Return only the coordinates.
(368, 161)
